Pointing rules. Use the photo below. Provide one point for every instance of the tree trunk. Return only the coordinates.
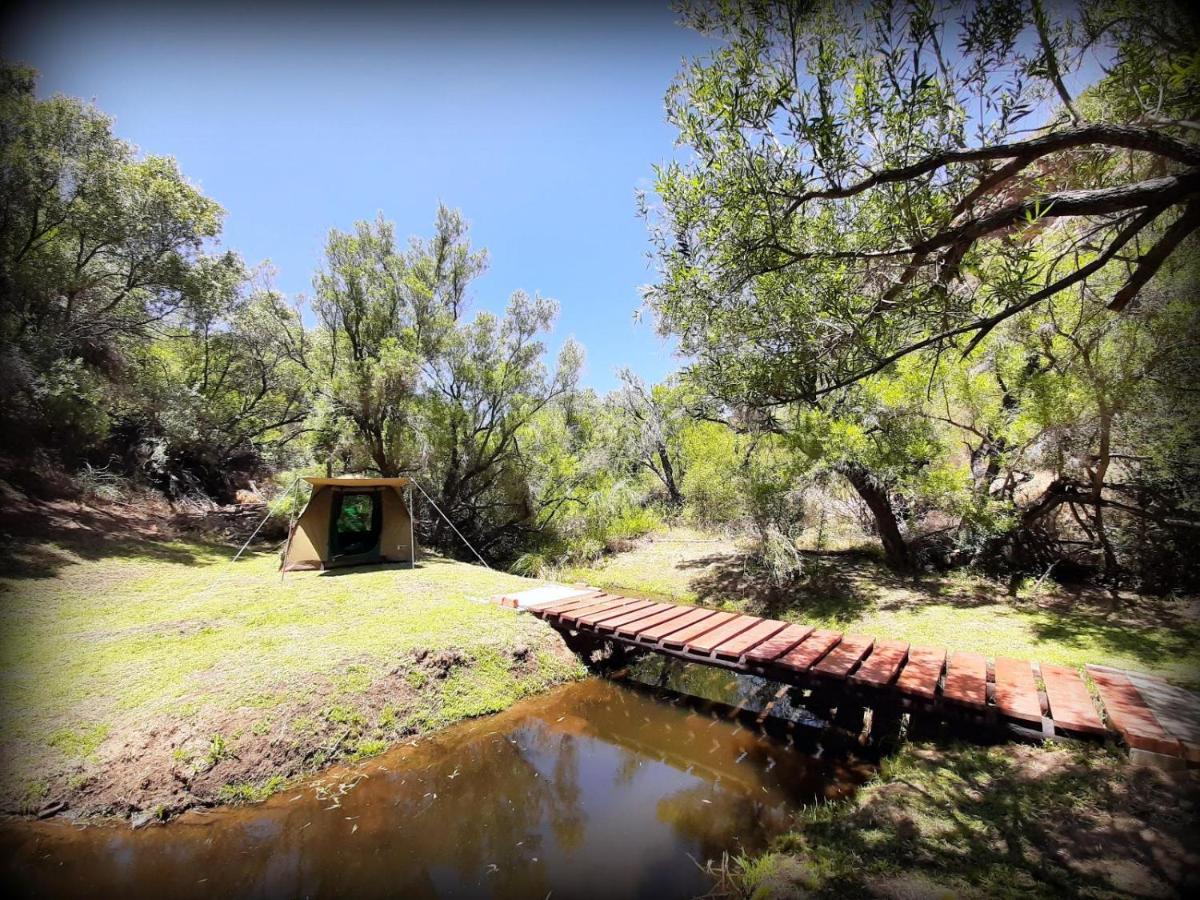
(668, 476)
(1096, 475)
(877, 500)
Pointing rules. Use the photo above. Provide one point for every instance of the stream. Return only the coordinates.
(619, 788)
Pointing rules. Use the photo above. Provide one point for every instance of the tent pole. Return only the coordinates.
(412, 545)
(451, 524)
(291, 530)
(260, 525)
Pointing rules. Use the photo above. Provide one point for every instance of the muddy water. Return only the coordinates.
(594, 789)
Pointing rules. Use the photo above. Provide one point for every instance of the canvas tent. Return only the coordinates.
(349, 521)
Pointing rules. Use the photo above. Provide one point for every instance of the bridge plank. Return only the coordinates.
(881, 666)
(922, 671)
(633, 629)
(596, 618)
(803, 655)
(661, 630)
(559, 606)
(1016, 691)
(678, 639)
(1129, 715)
(775, 647)
(1177, 710)
(966, 680)
(633, 616)
(1071, 705)
(845, 656)
(573, 615)
(709, 641)
(739, 644)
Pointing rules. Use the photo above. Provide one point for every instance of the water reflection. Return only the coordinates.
(590, 789)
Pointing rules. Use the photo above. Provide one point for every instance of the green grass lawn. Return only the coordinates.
(854, 591)
(138, 674)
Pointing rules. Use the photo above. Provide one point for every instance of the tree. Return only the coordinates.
(407, 384)
(850, 179)
(857, 197)
(101, 254)
(653, 418)
(485, 390)
(386, 315)
(216, 394)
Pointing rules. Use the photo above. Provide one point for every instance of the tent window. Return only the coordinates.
(356, 514)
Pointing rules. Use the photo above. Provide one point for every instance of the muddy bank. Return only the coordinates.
(204, 755)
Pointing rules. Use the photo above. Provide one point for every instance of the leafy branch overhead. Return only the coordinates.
(874, 181)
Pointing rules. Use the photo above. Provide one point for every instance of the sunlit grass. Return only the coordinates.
(98, 645)
(961, 611)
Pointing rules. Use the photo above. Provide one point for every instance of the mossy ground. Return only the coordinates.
(1004, 821)
(851, 590)
(150, 675)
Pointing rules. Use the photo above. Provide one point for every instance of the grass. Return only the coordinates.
(854, 591)
(123, 661)
(999, 821)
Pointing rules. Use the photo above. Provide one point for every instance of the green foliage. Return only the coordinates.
(218, 749)
(711, 459)
(251, 792)
(838, 273)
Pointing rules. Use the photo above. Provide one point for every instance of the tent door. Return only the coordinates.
(355, 526)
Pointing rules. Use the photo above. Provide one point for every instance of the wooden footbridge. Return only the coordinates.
(1148, 714)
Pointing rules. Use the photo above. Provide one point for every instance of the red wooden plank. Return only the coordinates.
(779, 645)
(809, 650)
(842, 658)
(662, 629)
(1071, 705)
(557, 609)
(882, 665)
(633, 629)
(1177, 710)
(560, 606)
(1129, 715)
(1016, 691)
(966, 680)
(610, 603)
(922, 671)
(596, 618)
(677, 640)
(739, 644)
(634, 616)
(709, 641)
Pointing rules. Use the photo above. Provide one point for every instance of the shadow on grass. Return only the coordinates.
(1163, 637)
(362, 568)
(825, 593)
(1008, 822)
(37, 543)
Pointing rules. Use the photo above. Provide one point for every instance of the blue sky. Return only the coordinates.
(538, 123)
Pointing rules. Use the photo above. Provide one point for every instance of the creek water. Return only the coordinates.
(598, 788)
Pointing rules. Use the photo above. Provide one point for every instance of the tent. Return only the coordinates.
(350, 521)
